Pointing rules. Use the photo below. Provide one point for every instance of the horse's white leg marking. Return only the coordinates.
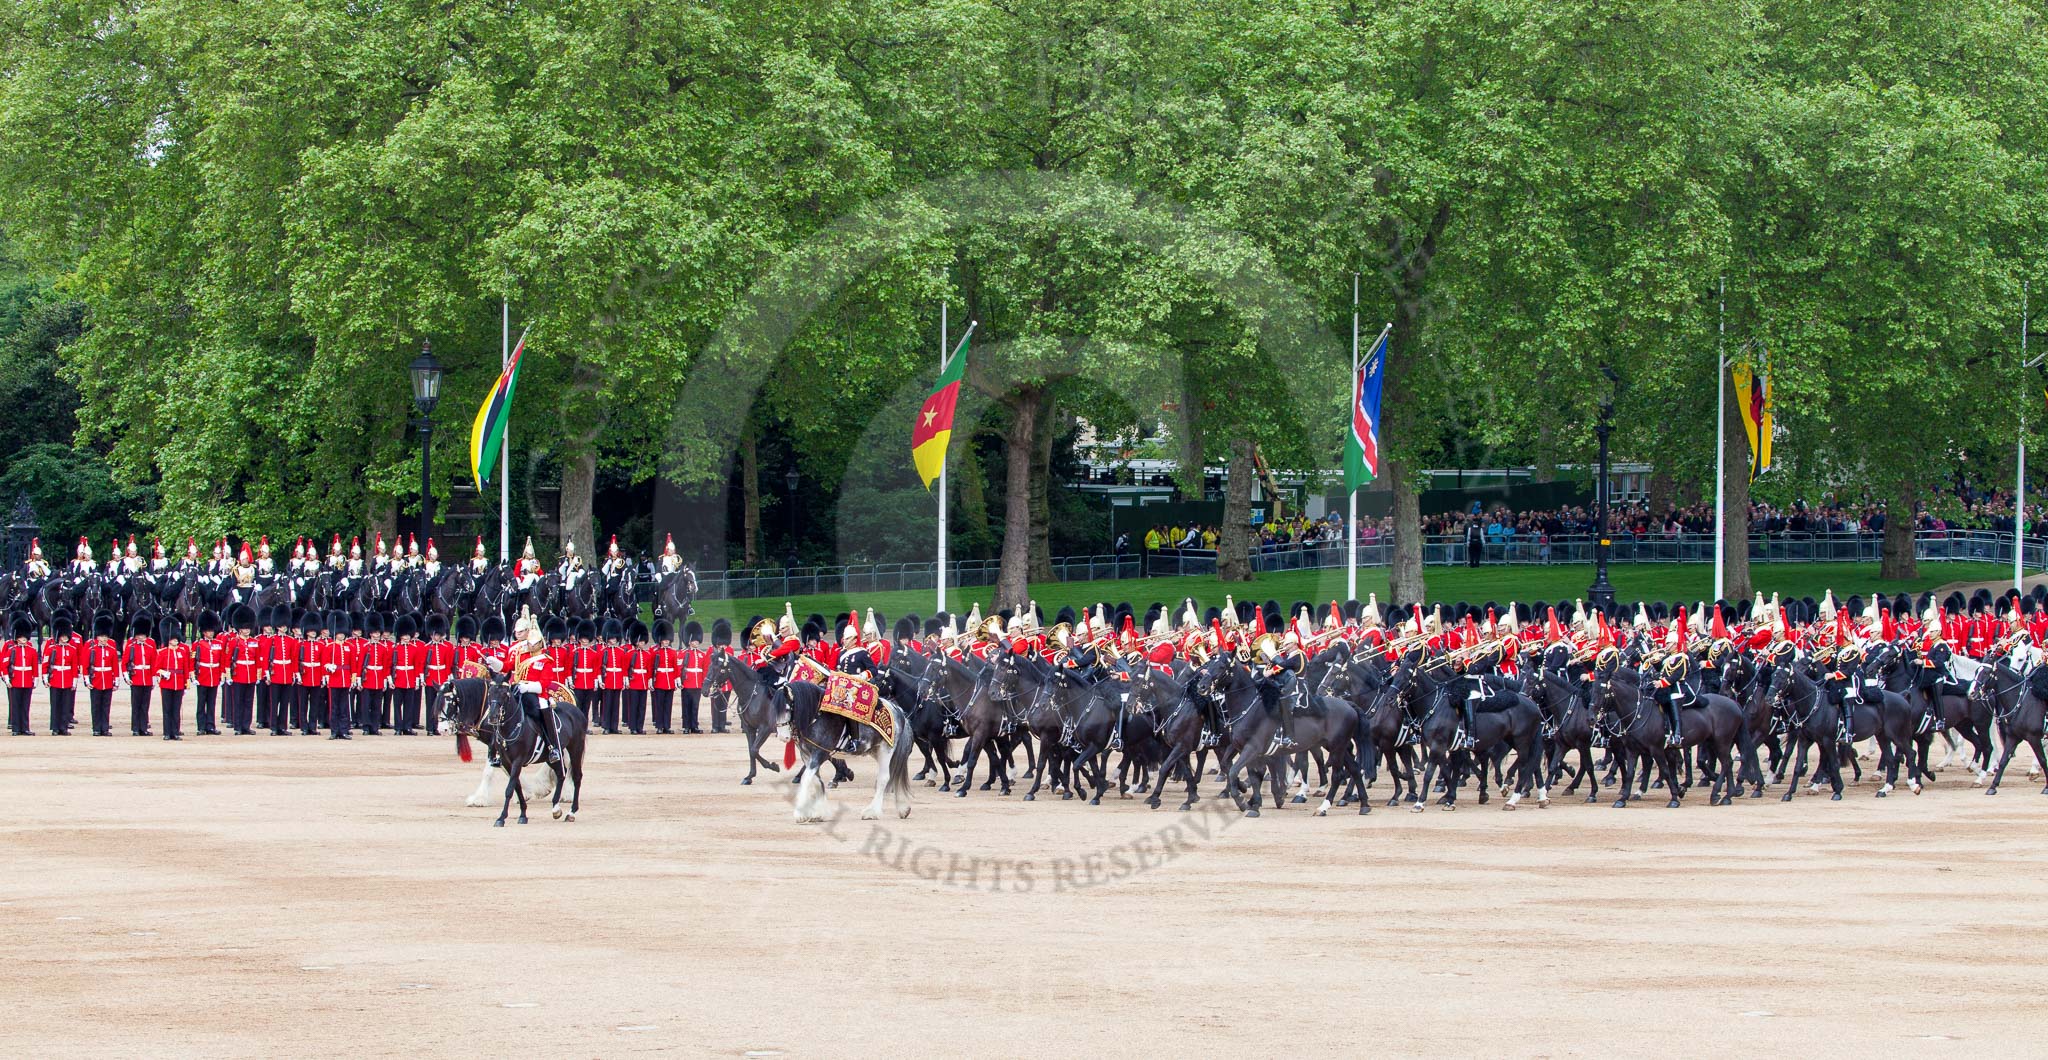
(483, 793)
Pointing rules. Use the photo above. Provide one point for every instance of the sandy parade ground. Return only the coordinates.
(265, 896)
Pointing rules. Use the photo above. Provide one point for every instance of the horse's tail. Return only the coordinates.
(899, 755)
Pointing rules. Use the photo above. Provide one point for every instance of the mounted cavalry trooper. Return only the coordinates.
(245, 568)
(572, 568)
(265, 565)
(412, 552)
(37, 568)
(432, 563)
(669, 562)
(527, 571)
(479, 560)
(614, 563)
(158, 561)
(131, 562)
(530, 670)
(81, 560)
(1677, 688)
(354, 565)
(113, 569)
(1284, 664)
(1487, 690)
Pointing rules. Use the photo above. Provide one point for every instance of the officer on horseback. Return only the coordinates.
(1487, 690)
(530, 670)
(1678, 688)
(1285, 664)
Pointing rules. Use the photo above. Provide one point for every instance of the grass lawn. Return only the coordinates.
(1673, 582)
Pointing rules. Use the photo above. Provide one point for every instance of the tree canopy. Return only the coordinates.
(724, 222)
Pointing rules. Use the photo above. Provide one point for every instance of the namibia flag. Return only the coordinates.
(934, 426)
(487, 434)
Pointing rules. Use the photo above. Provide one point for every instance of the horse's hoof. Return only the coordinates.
(1882, 794)
(1915, 786)
(1251, 813)
(1591, 799)
(1836, 797)
(1508, 807)
(1364, 808)
(1787, 798)
(1298, 799)
(499, 823)
(960, 794)
(1450, 807)
(568, 817)
(1029, 797)
(522, 818)
(746, 780)
(1186, 806)
(558, 812)
(1417, 807)
(1096, 801)
(1621, 804)
(1993, 790)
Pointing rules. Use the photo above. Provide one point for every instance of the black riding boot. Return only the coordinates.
(1673, 735)
(1468, 737)
(544, 721)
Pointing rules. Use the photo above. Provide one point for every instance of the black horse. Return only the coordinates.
(751, 692)
(489, 710)
(672, 597)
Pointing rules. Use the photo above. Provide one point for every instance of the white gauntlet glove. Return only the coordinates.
(530, 686)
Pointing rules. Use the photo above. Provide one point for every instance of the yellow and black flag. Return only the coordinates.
(1753, 393)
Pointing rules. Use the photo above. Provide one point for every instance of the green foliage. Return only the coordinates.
(1152, 209)
(72, 493)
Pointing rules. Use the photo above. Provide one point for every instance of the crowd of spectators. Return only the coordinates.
(1958, 510)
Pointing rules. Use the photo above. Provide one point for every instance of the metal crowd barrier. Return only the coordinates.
(1437, 550)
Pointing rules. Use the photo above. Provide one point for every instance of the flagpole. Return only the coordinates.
(1351, 520)
(505, 441)
(2019, 493)
(1721, 451)
(941, 573)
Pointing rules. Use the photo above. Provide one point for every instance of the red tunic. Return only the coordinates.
(139, 659)
(337, 663)
(62, 661)
(639, 668)
(376, 664)
(24, 665)
(174, 667)
(281, 663)
(667, 667)
(440, 662)
(209, 661)
(245, 666)
(313, 662)
(614, 662)
(102, 665)
(408, 664)
(584, 664)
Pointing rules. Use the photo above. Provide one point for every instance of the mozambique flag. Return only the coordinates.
(1753, 394)
(1362, 445)
(934, 426)
(487, 434)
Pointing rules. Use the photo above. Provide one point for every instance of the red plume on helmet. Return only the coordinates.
(1553, 631)
(1720, 630)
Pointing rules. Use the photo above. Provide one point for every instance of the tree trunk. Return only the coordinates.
(1405, 583)
(1234, 538)
(579, 482)
(1041, 498)
(1735, 493)
(1900, 561)
(1662, 491)
(1545, 469)
(971, 514)
(1013, 588)
(1190, 476)
(750, 501)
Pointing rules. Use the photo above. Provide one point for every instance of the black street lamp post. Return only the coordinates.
(426, 393)
(1601, 593)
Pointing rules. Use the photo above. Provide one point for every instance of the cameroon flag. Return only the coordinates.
(934, 426)
(487, 434)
